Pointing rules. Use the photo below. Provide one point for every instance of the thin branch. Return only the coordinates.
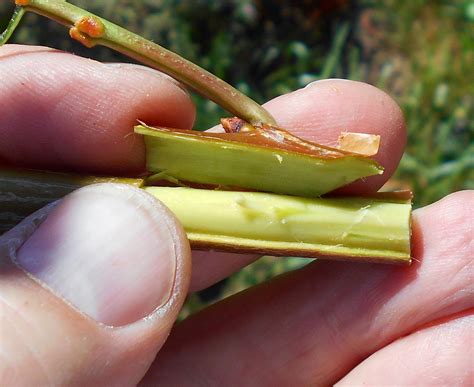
(92, 30)
(14, 21)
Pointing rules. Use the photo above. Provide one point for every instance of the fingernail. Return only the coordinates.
(321, 81)
(107, 249)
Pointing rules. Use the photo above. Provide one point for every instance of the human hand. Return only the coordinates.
(109, 267)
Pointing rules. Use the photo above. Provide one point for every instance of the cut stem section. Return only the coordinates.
(368, 229)
(360, 229)
(234, 161)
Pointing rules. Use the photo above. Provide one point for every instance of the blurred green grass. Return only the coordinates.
(421, 52)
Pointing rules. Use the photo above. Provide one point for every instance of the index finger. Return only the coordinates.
(63, 112)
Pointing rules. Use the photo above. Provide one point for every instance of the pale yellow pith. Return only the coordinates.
(351, 227)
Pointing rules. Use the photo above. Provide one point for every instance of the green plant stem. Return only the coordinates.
(153, 55)
(14, 21)
(363, 229)
(23, 191)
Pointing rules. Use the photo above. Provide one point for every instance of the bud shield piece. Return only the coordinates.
(223, 160)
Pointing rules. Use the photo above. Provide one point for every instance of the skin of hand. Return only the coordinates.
(91, 286)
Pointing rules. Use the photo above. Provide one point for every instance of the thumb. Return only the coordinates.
(90, 288)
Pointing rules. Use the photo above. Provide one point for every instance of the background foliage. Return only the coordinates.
(421, 52)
